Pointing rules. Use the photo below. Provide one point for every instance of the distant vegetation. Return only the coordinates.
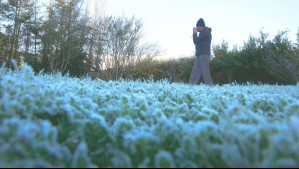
(259, 60)
(67, 39)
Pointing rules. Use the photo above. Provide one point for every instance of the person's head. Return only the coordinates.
(200, 25)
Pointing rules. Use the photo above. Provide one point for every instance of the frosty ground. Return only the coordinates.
(59, 121)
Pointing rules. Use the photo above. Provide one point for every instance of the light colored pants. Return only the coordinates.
(201, 65)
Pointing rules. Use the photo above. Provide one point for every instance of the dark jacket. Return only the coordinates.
(203, 42)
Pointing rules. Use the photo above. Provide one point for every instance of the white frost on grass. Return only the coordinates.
(60, 121)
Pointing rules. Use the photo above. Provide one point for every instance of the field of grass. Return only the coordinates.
(59, 121)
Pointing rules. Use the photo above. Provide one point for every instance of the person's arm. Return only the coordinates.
(202, 36)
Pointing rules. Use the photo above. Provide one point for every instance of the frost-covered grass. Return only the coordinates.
(57, 121)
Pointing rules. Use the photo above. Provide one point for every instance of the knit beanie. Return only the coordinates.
(201, 23)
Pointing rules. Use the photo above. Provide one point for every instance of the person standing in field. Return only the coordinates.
(203, 53)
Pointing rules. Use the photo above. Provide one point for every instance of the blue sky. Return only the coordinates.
(170, 22)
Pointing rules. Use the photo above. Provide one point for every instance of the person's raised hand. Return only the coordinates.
(194, 30)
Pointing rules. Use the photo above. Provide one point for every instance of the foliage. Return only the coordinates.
(260, 60)
(64, 35)
(65, 38)
(282, 59)
(14, 16)
(122, 47)
(3, 47)
(174, 70)
(225, 65)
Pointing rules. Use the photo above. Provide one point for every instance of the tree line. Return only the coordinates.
(261, 60)
(65, 37)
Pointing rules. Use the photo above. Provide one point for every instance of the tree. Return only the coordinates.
(3, 42)
(252, 67)
(282, 59)
(64, 37)
(95, 43)
(14, 14)
(225, 64)
(246, 64)
(122, 48)
(297, 44)
(31, 37)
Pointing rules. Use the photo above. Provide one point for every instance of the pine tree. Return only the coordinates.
(14, 15)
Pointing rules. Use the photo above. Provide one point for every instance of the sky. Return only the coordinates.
(170, 22)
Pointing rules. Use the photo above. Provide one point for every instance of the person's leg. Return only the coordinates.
(205, 61)
(196, 71)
